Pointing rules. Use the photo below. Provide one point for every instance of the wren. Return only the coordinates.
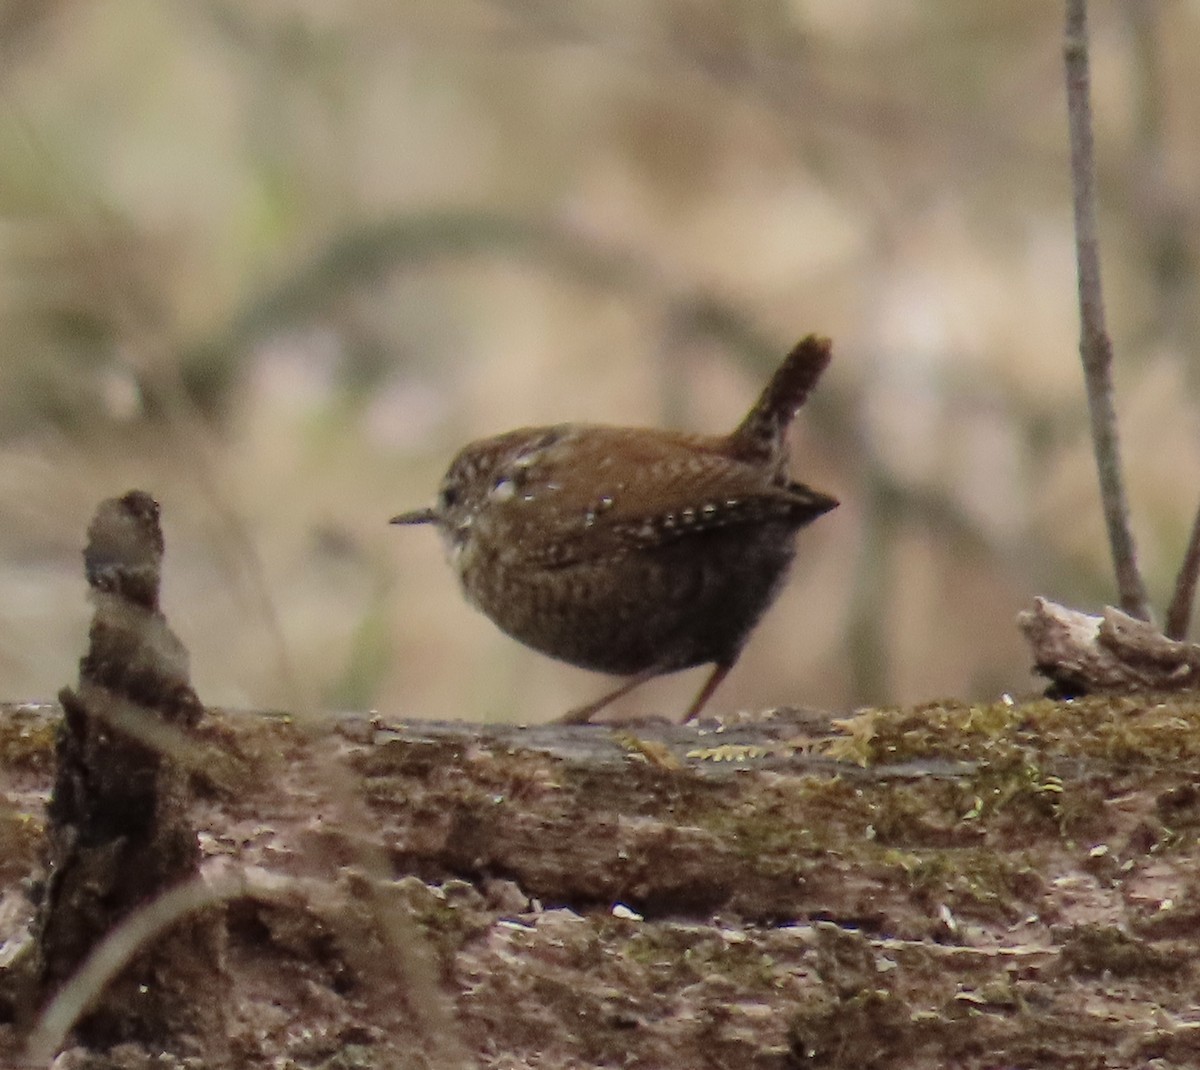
(632, 551)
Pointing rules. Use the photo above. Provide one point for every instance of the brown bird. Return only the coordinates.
(631, 550)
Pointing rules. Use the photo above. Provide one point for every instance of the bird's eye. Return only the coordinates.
(448, 497)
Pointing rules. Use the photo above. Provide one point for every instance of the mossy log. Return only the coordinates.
(1011, 884)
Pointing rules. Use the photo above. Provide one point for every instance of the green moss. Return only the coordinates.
(27, 738)
(870, 1029)
(449, 927)
(1097, 950)
(1136, 729)
(978, 882)
(352, 1057)
(20, 843)
(674, 958)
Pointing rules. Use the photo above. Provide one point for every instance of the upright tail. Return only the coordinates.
(759, 438)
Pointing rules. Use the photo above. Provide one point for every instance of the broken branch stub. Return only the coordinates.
(119, 831)
(1113, 653)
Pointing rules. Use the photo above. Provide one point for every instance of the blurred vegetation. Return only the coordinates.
(276, 262)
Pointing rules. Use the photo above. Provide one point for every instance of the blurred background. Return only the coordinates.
(276, 262)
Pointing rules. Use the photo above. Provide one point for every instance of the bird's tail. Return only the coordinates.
(759, 437)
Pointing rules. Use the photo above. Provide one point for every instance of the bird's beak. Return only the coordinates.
(417, 516)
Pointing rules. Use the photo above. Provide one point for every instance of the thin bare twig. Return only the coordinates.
(1179, 614)
(114, 953)
(1095, 347)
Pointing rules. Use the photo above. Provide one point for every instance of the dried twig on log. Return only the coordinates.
(1083, 654)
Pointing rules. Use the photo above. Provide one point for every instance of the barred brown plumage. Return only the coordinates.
(632, 551)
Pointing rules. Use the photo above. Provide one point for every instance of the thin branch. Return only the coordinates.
(113, 953)
(1179, 615)
(1095, 347)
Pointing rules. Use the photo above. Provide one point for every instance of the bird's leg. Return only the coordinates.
(720, 671)
(583, 714)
